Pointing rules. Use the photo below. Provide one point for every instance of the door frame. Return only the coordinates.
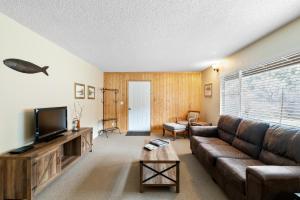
(127, 101)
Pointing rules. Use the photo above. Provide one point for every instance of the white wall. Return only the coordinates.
(20, 93)
(275, 45)
(280, 43)
(210, 105)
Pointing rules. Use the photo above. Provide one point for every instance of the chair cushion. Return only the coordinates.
(211, 152)
(183, 123)
(281, 146)
(227, 127)
(235, 171)
(174, 126)
(249, 138)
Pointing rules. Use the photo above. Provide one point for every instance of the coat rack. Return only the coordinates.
(113, 119)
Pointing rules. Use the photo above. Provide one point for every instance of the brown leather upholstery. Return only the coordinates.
(281, 146)
(209, 140)
(227, 127)
(234, 171)
(238, 155)
(269, 182)
(210, 152)
(204, 131)
(207, 132)
(250, 135)
(274, 159)
(195, 140)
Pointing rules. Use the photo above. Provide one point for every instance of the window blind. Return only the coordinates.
(268, 92)
(272, 94)
(230, 98)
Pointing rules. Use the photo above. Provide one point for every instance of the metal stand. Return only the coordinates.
(113, 119)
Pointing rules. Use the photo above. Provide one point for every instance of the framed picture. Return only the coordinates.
(79, 91)
(91, 92)
(208, 90)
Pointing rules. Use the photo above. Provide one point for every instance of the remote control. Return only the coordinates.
(21, 149)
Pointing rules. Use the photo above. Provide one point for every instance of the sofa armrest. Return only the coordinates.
(204, 131)
(269, 182)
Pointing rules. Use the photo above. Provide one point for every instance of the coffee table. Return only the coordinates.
(159, 167)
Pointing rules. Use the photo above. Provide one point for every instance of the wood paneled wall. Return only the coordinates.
(172, 95)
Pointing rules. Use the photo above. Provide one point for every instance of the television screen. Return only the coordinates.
(50, 121)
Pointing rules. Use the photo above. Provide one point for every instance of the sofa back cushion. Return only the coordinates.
(250, 136)
(281, 146)
(227, 127)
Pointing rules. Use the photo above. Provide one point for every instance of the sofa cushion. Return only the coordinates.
(281, 146)
(185, 123)
(227, 127)
(211, 152)
(249, 137)
(234, 171)
(195, 140)
(208, 140)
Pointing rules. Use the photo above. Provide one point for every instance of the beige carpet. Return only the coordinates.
(111, 172)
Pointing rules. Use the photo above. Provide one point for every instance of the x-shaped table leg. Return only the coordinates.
(159, 173)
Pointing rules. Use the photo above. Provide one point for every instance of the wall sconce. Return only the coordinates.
(215, 67)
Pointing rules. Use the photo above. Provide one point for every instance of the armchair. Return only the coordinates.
(192, 117)
(181, 125)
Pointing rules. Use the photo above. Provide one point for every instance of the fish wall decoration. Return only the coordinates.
(24, 66)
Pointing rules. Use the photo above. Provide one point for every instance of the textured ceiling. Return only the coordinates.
(151, 35)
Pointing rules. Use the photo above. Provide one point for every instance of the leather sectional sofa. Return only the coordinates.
(249, 159)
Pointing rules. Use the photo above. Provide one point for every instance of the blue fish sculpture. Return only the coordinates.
(24, 66)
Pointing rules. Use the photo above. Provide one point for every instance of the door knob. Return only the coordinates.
(129, 108)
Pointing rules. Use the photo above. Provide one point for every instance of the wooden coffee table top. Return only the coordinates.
(160, 155)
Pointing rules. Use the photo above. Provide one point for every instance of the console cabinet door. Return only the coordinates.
(46, 168)
(14, 183)
(86, 142)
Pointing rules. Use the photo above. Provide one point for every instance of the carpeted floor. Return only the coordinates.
(111, 172)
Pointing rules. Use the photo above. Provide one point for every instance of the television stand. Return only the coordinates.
(24, 175)
(48, 139)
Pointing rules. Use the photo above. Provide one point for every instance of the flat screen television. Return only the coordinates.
(50, 122)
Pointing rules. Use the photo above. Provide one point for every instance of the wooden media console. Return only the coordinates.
(24, 175)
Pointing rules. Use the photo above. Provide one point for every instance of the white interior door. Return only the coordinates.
(139, 98)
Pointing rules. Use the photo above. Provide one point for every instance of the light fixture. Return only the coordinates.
(215, 67)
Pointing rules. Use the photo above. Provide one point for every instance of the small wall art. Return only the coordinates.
(79, 91)
(208, 90)
(91, 92)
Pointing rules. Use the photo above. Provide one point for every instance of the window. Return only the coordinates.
(230, 103)
(272, 95)
(270, 92)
